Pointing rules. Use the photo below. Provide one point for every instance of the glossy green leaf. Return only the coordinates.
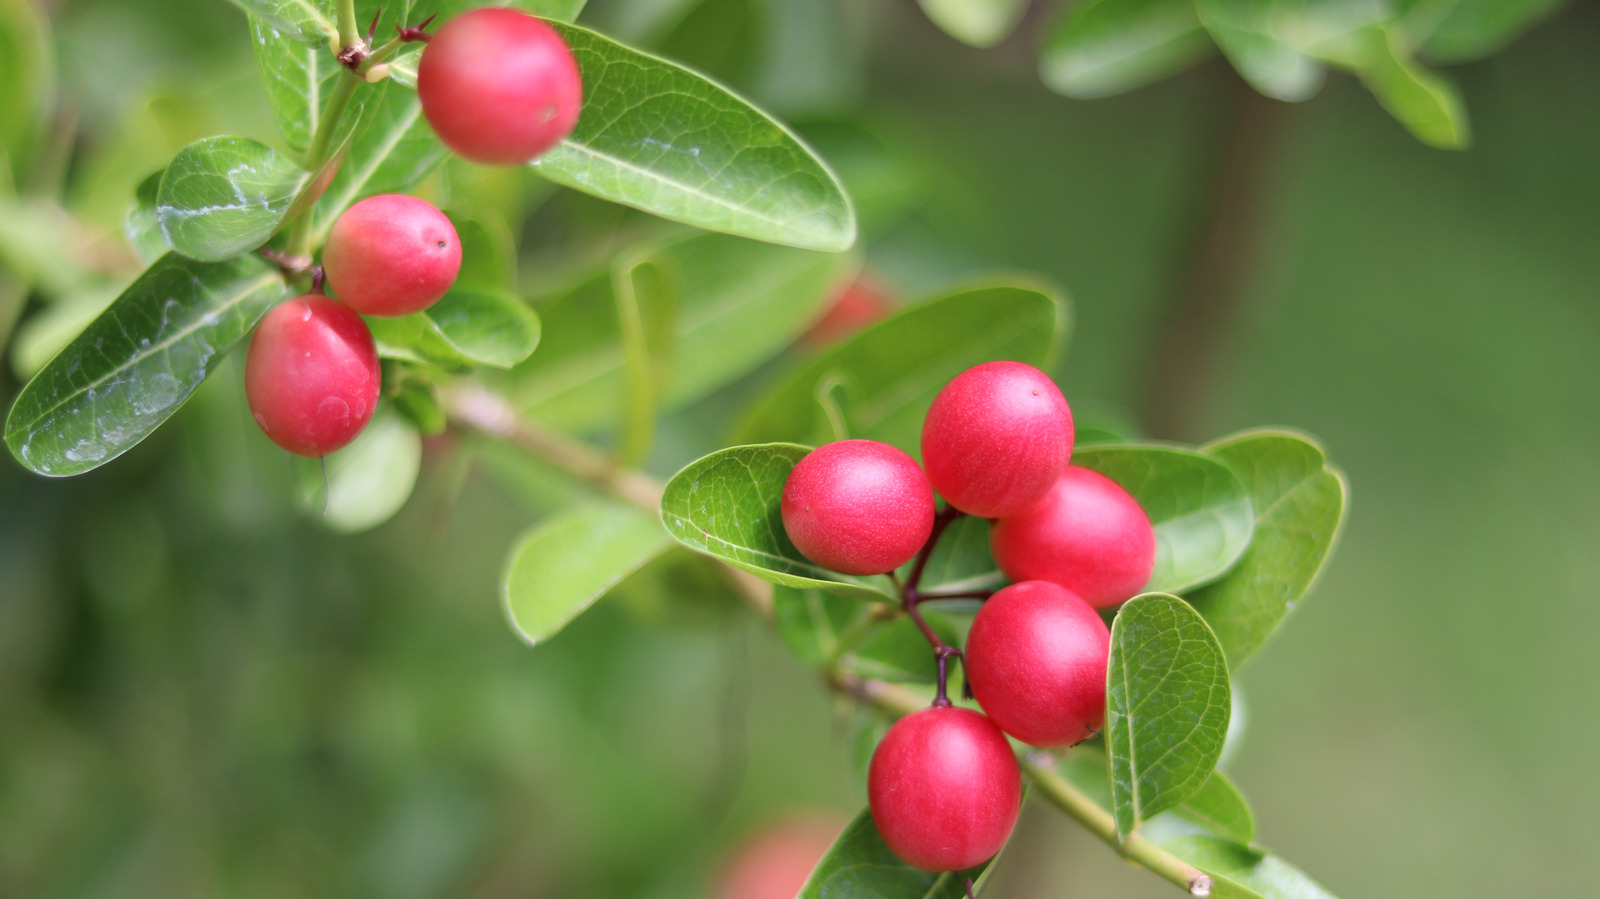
(1216, 808)
(1299, 502)
(138, 362)
(1104, 47)
(890, 372)
(465, 328)
(1221, 808)
(310, 22)
(1250, 34)
(393, 154)
(143, 225)
(1423, 101)
(860, 865)
(367, 481)
(739, 302)
(727, 505)
(658, 137)
(1167, 706)
(298, 80)
(561, 567)
(1461, 30)
(1202, 515)
(981, 23)
(812, 621)
(485, 326)
(1258, 871)
(223, 196)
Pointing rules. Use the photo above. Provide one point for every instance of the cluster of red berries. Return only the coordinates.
(944, 786)
(498, 87)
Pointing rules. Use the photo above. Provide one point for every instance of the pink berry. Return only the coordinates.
(944, 789)
(312, 376)
(996, 438)
(499, 86)
(391, 255)
(775, 862)
(1036, 660)
(1088, 535)
(858, 507)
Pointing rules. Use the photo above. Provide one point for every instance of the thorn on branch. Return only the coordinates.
(372, 30)
(419, 33)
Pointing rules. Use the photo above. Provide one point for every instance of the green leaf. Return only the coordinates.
(137, 363)
(298, 80)
(981, 23)
(1248, 31)
(1221, 808)
(488, 251)
(1167, 706)
(739, 302)
(1299, 502)
(899, 652)
(646, 294)
(658, 137)
(308, 21)
(486, 327)
(1218, 807)
(27, 73)
(961, 560)
(860, 865)
(463, 329)
(369, 480)
(562, 566)
(1423, 101)
(726, 505)
(1259, 872)
(223, 196)
(393, 154)
(1201, 513)
(1106, 47)
(890, 372)
(143, 225)
(1463, 30)
(811, 621)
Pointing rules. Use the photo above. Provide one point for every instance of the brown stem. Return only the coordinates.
(1205, 305)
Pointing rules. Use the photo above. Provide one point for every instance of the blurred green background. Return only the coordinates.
(203, 693)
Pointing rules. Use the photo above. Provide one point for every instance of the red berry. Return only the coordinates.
(312, 376)
(1036, 660)
(996, 438)
(391, 255)
(944, 789)
(862, 302)
(1088, 535)
(858, 507)
(499, 86)
(775, 863)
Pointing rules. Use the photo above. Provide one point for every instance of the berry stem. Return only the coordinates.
(940, 522)
(349, 31)
(316, 157)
